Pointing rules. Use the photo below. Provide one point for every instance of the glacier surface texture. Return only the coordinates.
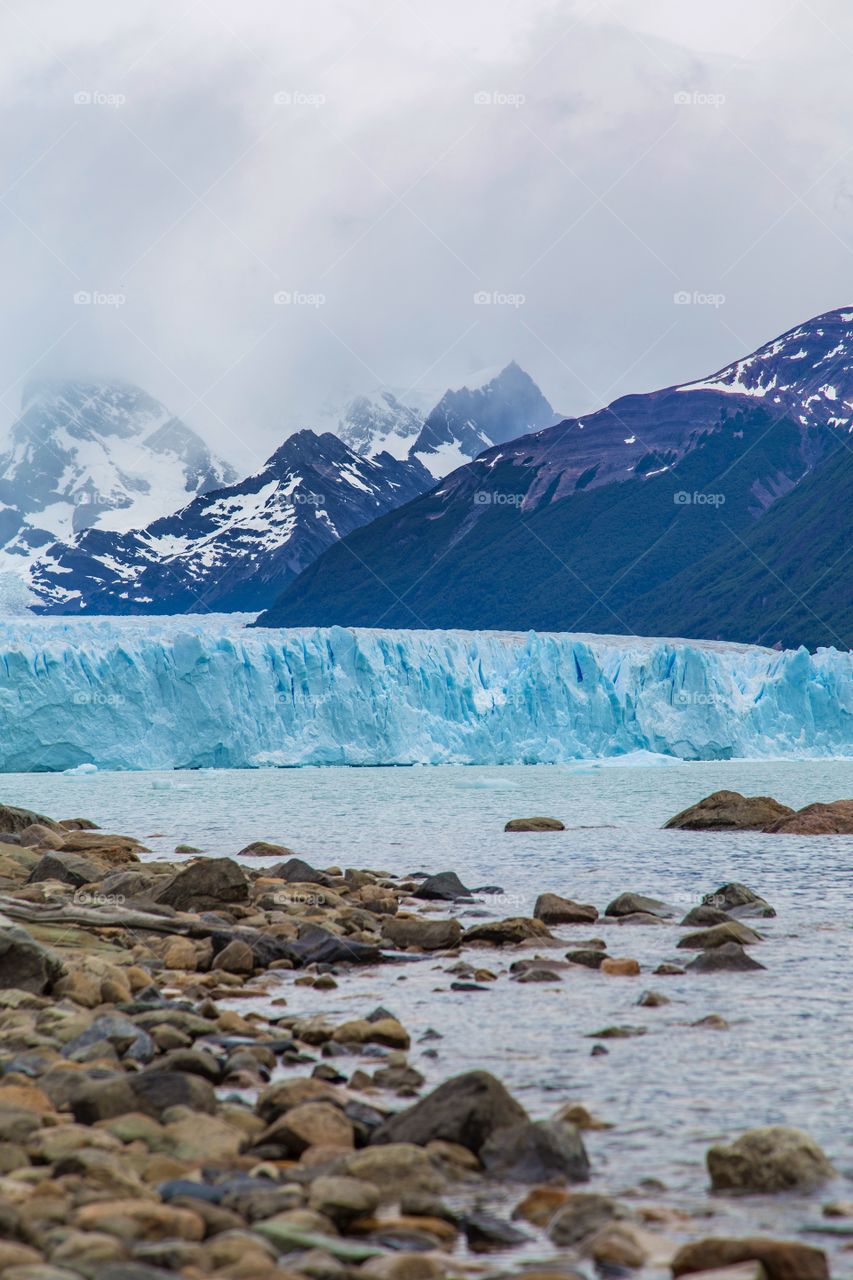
(193, 692)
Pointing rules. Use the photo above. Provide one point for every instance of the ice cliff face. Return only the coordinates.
(191, 693)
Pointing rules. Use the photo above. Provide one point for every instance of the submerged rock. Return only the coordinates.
(501, 933)
(550, 908)
(730, 811)
(443, 887)
(629, 904)
(536, 1151)
(414, 931)
(774, 1158)
(535, 824)
(781, 1259)
(729, 957)
(718, 936)
(736, 899)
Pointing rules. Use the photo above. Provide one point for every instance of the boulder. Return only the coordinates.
(67, 868)
(204, 885)
(629, 904)
(313, 1124)
(774, 1158)
(17, 820)
(24, 963)
(589, 957)
(236, 957)
(718, 936)
(296, 871)
(342, 1198)
(620, 966)
(730, 957)
(397, 1168)
(151, 1092)
(502, 933)
(263, 849)
(550, 908)
(582, 1214)
(703, 917)
(736, 898)
(443, 887)
(536, 1151)
(386, 1031)
(730, 811)
(39, 836)
(318, 946)
(781, 1259)
(286, 1094)
(467, 1109)
(835, 819)
(535, 824)
(428, 935)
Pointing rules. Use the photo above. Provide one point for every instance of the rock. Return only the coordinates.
(205, 885)
(620, 966)
(236, 957)
(39, 836)
(397, 1168)
(540, 1205)
(781, 1259)
(536, 1151)
(296, 871)
(428, 935)
(718, 936)
(713, 1021)
(550, 908)
(484, 1232)
(730, 811)
(653, 1000)
(740, 1271)
(729, 957)
(17, 820)
(588, 957)
(285, 1094)
(343, 1199)
(387, 1031)
(774, 1158)
(117, 1029)
(617, 1032)
(467, 1109)
(629, 904)
(702, 917)
(443, 887)
(16, 1255)
(140, 1220)
(24, 963)
(502, 933)
(181, 954)
(668, 970)
(313, 1124)
(582, 1214)
(621, 1245)
(67, 868)
(405, 1266)
(835, 819)
(535, 824)
(737, 898)
(152, 1092)
(263, 849)
(318, 946)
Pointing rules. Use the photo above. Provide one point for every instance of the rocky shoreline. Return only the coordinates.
(149, 1130)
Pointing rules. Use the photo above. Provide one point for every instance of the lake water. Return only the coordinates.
(669, 1094)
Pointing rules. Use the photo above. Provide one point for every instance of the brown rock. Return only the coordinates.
(428, 935)
(140, 1220)
(773, 1158)
(620, 966)
(540, 1205)
(263, 849)
(501, 933)
(180, 953)
(466, 1109)
(236, 957)
(535, 824)
(286, 1094)
(309, 1125)
(835, 819)
(386, 1031)
(730, 811)
(550, 908)
(718, 935)
(781, 1259)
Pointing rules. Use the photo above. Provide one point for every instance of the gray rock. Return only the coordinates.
(24, 963)
(17, 820)
(770, 1159)
(731, 957)
(628, 904)
(68, 868)
(205, 885)
(429, 935)
(443, 887)
(550, 908)
(584, 1213)
(536, 1151)
(466, 1109)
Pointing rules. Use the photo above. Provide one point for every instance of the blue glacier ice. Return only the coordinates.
(195, 692)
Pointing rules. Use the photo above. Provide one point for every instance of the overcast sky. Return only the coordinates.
(578, 162)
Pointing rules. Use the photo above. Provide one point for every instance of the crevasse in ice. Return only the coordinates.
(192, 692)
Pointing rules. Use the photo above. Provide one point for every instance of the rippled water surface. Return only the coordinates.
(786, 1057)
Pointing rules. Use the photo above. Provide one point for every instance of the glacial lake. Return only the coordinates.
(670, 1093)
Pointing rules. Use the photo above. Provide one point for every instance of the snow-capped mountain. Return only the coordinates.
(84, 454)
(232, 548)
(808, 372)
(460, 425)
(465, 422)
(604, 522)
(378, 423)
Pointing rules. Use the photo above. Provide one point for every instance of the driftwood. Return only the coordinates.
(102, 917)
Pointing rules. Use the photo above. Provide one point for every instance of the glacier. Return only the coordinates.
(205, 692)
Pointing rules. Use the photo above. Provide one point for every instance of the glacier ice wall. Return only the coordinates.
(161, 693)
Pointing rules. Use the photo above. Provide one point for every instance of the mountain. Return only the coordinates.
(602, 523)
(84, 454)
(465, 422)
(229, 549)
(378, 423)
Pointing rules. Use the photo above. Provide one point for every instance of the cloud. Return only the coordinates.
(380, 165)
